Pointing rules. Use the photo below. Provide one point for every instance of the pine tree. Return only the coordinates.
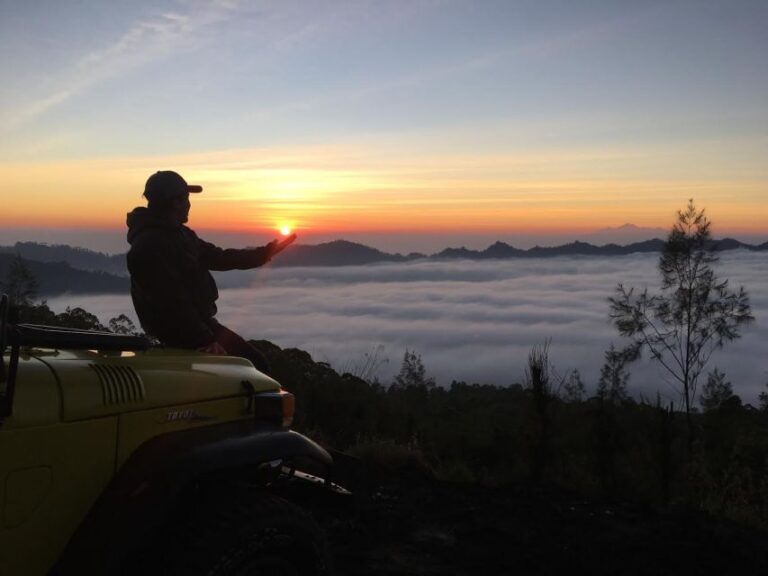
(716, 391)
(614, 376)
(412, 373)
(763, 399)
(694, 314)
(573, 388)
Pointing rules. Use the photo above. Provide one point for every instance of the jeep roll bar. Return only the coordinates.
(38, 336)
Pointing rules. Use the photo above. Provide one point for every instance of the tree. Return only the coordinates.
(79, 318)
(537, 373)
(122, 325)
(716, 391)
(573, 388)
(538, 383)
(614, 376)
(763, 399)
(20, 283)
(412, 373)
(694, 314)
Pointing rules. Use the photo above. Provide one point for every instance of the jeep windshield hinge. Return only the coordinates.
(7, 377)
(3, 325)
(251, 392)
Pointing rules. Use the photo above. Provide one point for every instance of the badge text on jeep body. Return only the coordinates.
(193, 415)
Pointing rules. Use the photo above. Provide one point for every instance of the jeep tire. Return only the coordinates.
(250, 533)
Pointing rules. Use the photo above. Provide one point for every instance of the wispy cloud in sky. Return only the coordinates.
(153, 37)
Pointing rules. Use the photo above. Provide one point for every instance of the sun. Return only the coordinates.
(285, 230)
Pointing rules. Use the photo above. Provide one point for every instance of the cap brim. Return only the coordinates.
(194, 188)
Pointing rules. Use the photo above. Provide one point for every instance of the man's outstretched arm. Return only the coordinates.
(220, 259)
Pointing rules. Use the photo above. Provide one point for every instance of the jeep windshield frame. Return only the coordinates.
(39, 336)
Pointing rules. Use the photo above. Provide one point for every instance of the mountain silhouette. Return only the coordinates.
(337, 253)
(59, 277)
(80, 258)
(62, 268)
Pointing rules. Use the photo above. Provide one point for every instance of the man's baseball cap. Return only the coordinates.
(167, 184)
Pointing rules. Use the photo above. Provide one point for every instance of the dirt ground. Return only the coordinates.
(431, 528)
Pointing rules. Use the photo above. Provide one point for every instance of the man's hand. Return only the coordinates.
(277, 246)
(213, 348)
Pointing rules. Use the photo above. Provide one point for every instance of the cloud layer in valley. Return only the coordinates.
(470, 320)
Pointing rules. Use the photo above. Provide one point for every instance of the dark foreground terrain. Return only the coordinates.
(407, 519)
(431, 527)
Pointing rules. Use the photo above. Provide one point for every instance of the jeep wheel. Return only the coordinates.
(254, 534)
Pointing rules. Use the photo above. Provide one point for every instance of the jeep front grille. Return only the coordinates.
(119, 384)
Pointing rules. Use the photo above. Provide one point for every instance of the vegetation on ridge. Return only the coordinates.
(604, 446)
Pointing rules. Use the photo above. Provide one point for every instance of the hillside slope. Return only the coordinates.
(59, 277)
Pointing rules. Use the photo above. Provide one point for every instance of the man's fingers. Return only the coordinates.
(289, 240)
(280, 245)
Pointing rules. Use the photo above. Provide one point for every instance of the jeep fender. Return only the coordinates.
(146, 490)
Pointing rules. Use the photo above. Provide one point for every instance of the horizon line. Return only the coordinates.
(401, 253)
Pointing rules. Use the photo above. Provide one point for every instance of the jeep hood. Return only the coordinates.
(94, 384)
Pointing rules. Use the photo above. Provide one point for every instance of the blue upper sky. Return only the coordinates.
(85, 78)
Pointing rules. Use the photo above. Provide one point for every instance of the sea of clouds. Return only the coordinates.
(470, 320)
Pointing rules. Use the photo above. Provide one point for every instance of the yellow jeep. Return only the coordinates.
(120, 457)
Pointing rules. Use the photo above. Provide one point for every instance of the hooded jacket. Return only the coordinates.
(172, 288)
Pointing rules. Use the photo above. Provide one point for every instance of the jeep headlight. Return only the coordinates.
(275, 407)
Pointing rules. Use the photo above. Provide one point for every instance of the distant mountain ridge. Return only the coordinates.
(337, 253)
(624, 234)
(62, 268)
(59, 277)
(81, 258)
(501, 250)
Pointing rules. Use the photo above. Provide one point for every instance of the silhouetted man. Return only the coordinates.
(172, 288)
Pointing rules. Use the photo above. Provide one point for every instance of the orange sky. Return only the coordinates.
(383, 188)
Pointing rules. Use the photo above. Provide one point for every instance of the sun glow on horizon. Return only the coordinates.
(385, 188)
